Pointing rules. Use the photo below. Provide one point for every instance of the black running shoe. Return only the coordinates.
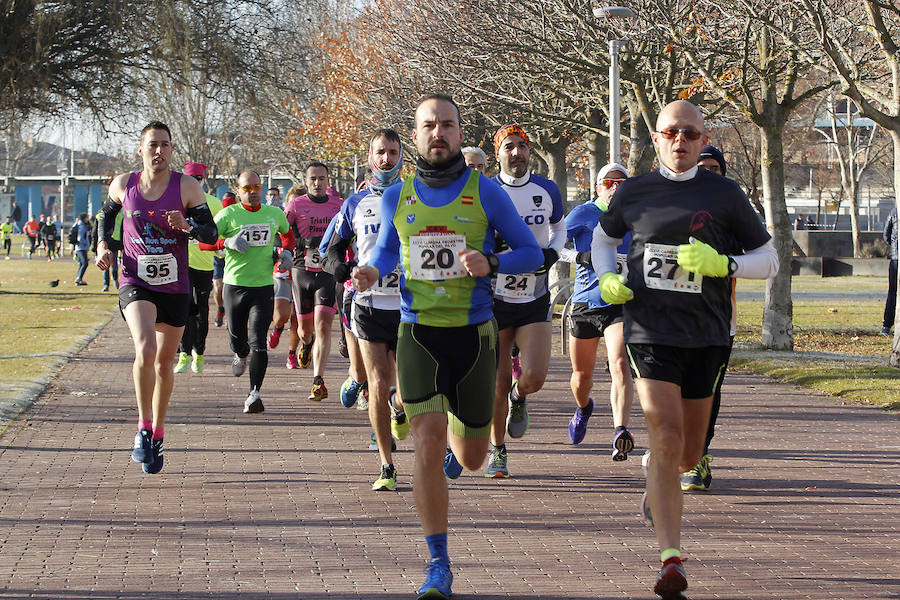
(143, 447)
(156, 465)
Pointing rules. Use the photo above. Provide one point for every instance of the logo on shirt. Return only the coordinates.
(410, 219)
(537, 200)
(369, 212)
(470, 200)
(700, 220)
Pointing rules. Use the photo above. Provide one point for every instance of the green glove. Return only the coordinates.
(703, 259)
(613, 289)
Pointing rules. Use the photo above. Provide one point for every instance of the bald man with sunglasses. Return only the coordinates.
(692, 232)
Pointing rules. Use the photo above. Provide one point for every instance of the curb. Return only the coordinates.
(31, 391)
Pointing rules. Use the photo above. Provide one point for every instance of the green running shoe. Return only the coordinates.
(700, 477)
(184, 359)
(197, 364)
(388, 480)
(496, 468)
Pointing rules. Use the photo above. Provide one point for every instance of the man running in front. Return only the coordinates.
(162, 210)
(440, 224)
(692, 231)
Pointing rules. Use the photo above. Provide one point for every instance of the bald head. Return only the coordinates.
(249, 188)
(680, 135)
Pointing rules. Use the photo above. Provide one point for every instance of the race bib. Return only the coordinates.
(515, 286)
(622, 264)
(312, 259)
(256, 234)
(661, 270)
(157, 269)
(388, 285)
(435, 256)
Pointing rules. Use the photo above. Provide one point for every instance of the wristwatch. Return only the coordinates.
(732, 266)
(493, 263)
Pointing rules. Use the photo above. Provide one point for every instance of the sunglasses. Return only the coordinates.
(672, 132)
(608, 183)
(251, 188)
(198, 177)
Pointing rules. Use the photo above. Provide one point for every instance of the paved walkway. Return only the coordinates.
(804, 501)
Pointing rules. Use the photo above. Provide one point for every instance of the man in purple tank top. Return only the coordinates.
(162, 210)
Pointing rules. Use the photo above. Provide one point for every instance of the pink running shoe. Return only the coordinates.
(274, 338)
(292, 361)
(516, 368)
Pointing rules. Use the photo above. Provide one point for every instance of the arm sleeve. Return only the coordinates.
(387, 248)
(760, 263)
(106, 219)
(205, 229)
(334, 259)
(329, 232)
(526, 254)
(287, 240)
(603, 251)
(557, 235)
(219, 245)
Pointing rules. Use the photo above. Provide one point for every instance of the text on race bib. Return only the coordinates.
(520, 285)
(157, 269)
(435, 256)
(661, 270)
(256, 234)
(622, 264)
(312, 259)
(389, 284)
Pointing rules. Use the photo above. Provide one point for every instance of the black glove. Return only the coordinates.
(342, 271)
(583, 258)
(550, 257)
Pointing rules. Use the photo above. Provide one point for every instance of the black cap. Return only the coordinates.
(715, 154)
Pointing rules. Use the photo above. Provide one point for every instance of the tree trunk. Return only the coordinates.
(777, 327)
(895, 138)
(597, 145)
(641, 152)
(853, 196)
(554, 153)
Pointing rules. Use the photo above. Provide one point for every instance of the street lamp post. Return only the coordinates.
(270, 162)
(615, 101)
(63, 174)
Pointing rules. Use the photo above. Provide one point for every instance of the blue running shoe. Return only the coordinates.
(143, 447)
(578, 424)
(452, 468)
(438, 580)
(349, 392)
(156, 465)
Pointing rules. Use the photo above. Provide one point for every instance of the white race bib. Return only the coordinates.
(661, 270)
(520, 285)
(388, 285)
(157, 269)
(312, 259)
(256, 234)
(435, 256)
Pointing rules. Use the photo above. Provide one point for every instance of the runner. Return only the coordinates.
(376, 311)
(32, 228)
(677, 305)
(200, 275)
(314, 290)
(284, 304)
(475, 158)
(273, 198)
(50, 236)
(441, 224)
(248, 238)
(592, 318)
(228, 198)
(82, 230)
(6, 231)
(154, 296)
(522, 302)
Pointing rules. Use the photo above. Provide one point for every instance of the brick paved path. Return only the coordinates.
(804, 501)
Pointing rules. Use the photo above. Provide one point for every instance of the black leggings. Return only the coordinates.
(717, 401)
(197, 326)
(249, 313)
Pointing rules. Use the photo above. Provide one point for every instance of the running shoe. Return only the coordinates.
(399, 422)
(672, 580)
(292, 361)
(253, 404)
(274, 337)
(645, 463)
(143, 447)
(452, 468)
(516, 368)
(623, 443)
(197, 363)
(238, 365)
(349, 392)
(306, 353)
(496, 468)
(578, 424)
(517, 418)
(220, 316)
(373, 445)
(156, 464)
(438, 580)
(318, 392)
(342, 348)
(645, 510)
(362, 398)
(105, 288)
(387, 482)
(184, 359)
(885, 332)
(700, 477)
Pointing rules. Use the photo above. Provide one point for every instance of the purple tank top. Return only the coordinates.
(155, 255)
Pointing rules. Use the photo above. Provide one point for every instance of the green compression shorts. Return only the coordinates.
(449, 370)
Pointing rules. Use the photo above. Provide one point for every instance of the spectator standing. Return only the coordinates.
(82, 245)
(890, 238)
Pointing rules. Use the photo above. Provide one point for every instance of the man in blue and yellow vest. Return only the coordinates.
(200, 271)
(440, 225)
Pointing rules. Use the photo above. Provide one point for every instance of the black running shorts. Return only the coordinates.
(696, 370)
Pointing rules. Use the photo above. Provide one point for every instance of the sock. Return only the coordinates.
(669, 553)
(514, 394)
(145, 424)
(259, 361)
(158, 432)
(279, 329)
(620, 428)
(437, 546)
(587, 410)
(500, 447)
